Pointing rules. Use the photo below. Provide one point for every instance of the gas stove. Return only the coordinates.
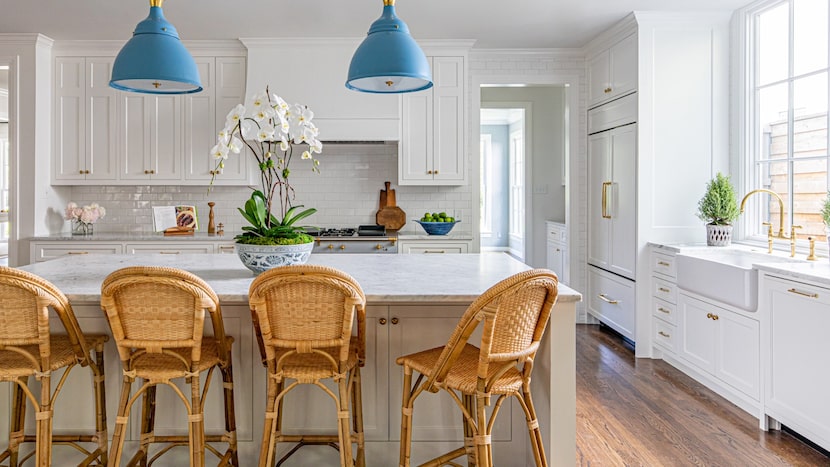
(363, 239)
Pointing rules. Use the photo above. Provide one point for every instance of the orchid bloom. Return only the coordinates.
(265, 133)
(235, 145)
(220, 152)
(236, 114)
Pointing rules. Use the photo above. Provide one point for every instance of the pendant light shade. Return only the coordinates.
(389, 60)
(155, 61)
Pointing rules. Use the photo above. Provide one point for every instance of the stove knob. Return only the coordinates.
(330, 247)
(342, 247)
(379, 247)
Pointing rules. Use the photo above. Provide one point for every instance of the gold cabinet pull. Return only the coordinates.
(77, 253)
(661, 309)
(605, 298)
(434, 251)
(394, 320)
(226, 247)
(663, 289)
(605, 186)
(664, 334)
(169, 252)
(606, 90)
(382, 321)
(806, 294)
(663, 263)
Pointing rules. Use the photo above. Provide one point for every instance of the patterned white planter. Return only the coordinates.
(259, 258)
(718, 235)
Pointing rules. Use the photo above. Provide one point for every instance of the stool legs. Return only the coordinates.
(148, 423)
(120, 432)
(230, 414)
(357, 417)
(100, 403)
(18, 421)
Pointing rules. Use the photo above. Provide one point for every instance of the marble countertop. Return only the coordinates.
(384, 278)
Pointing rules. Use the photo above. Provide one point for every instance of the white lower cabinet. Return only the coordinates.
(557, 251)
(721, 342)
(44, 251)
(169, 248)
(611, 300)
(796, 318)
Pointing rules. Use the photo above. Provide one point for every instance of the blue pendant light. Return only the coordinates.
(389, 60)
(155, 61)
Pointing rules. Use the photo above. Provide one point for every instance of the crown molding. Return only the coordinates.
(109, 48)
(36, 39)
(502, 54)
(624, 28)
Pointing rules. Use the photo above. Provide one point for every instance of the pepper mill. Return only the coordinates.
(211, 226)
(221, 230)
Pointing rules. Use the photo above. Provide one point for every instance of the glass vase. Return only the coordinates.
(81, 228)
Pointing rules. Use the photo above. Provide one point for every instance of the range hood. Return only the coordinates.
(313, 72)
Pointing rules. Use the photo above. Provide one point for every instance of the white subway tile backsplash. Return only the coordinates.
(345, 193)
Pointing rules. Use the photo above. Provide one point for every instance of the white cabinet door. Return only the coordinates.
(599, 179)
(434, 247)
(432, 136)
(611, 299)
(612, 241)
(44, 251)
(697, 332)
(556, 259)
(375, 375)
(70, 118)
(738, 352)
(101, 120)
(623, 209)
(85, 120)
(448, 119)
(168, 248)
(134, 128)
(165, 157)
(797, 317)
(224, 81)
(599, 76)
(613, 72)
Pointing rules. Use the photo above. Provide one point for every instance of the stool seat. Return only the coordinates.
(13, 365)
(463, 374)
(163, 367)
(315, 365)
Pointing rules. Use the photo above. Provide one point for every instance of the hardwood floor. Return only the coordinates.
(645, 412)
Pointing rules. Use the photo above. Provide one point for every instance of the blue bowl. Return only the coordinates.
(437, 228)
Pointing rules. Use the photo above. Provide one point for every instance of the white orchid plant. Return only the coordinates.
(271, 129)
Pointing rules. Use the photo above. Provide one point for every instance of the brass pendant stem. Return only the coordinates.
(156, 3)
(388, 2)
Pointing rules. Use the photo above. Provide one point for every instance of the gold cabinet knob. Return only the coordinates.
(606, 90)
(382, 321)
(81, 172)
(86, 172)
(435, 172)
(394, 320)
(342, 247)
(330, 247)
(146, 172)
(379, 247)
(429, 172)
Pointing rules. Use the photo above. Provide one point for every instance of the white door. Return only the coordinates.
(621, 207)
(599, 179)
(516, 192)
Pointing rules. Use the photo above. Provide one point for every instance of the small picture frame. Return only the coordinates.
(165, 217)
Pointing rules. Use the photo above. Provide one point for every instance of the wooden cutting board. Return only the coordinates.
(389, 215)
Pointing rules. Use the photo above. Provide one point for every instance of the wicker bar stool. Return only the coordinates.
(157, 317)
(515, 313)
(27, 348)
(303, 317)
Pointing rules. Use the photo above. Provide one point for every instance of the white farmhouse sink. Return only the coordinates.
(723, 274)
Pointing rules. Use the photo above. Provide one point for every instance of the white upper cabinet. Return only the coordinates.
(432, 128)
(151, 137)
(613, 72)
(104, 136)
(223, 80)
(85, 117)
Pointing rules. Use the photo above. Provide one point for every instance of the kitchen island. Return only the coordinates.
(413, 303)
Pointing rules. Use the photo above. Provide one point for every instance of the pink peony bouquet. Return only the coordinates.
(86, 214)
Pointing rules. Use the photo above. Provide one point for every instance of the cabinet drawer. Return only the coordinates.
(663, 264)
(139, 248)
(51, 250)
(664, 335)
(664, 290)
(664, 310)
(556, 232)
(434, 248)
(611, 300)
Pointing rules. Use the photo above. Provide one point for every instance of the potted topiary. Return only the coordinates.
(273, 132)
(718, 208)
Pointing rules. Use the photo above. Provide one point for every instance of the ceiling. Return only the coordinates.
(491, 23)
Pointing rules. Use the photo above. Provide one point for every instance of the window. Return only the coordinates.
(788, 118)
(517, 190)
(486, 199)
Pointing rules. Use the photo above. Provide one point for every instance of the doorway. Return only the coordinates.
(502, 183)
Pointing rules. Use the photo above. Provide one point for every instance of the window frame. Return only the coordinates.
(746, 147)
